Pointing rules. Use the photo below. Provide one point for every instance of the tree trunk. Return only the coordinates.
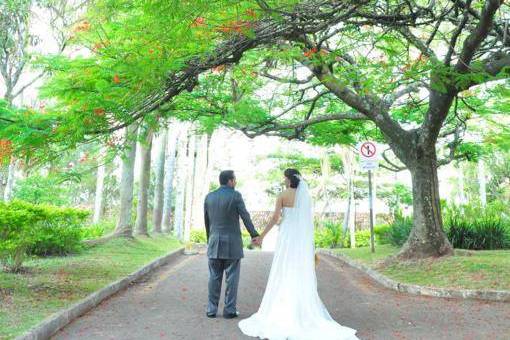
(144, 183)
(190, 171)
(482, 182)
(124, 225)
(99, 199)
(10, 180)
(160, 177)
(180, 184)
(348, 170)
(4, 174)
(168, 183)
(198, 183)
(461, 195)
(210, 163)
(427, 238)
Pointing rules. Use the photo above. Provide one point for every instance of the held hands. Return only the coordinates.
(257, 241)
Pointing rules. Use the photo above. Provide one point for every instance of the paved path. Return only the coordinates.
(170, 304)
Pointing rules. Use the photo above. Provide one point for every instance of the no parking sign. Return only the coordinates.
(368, 153)
(368, 162)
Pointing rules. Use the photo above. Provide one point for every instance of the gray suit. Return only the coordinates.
(222, 209)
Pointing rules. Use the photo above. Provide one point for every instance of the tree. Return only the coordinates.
(99, 195)
(160, 177)
(17, 43)
(199, 190)
(124, 226)
(181, 171)
(411, 123)
(190, 179)
(144, 181)
(169, 180)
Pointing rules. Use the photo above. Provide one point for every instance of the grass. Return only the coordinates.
(50, 284)
(485, 269)
(365, 256)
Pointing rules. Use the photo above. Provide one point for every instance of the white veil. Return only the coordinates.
(303, 218)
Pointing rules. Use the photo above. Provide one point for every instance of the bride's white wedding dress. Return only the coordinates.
(291, 308)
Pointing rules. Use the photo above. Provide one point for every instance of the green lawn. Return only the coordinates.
(488, 269)
(54, 283)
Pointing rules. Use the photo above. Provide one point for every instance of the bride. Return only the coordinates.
(291, 308)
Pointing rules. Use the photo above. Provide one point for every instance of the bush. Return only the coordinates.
(382, 233)
(399, 230)
(329, 235)
(198, 236)
(362, 238)
(483, 233)
(28, 229)
(97, 230)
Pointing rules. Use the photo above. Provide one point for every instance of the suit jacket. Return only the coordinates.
(222, 209)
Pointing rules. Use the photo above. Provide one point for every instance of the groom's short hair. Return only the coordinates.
(225, 176)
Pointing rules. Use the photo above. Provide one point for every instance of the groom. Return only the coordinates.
(222, 209)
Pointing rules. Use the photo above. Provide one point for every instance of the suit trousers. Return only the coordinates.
(231, 267)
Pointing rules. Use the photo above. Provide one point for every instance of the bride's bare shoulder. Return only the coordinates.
(287, 192)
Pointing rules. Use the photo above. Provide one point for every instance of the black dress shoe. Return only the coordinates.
(231, 315)
(211, 315)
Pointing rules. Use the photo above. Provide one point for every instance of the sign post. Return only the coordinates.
(369, 162)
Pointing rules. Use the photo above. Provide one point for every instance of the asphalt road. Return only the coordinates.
(170, 304)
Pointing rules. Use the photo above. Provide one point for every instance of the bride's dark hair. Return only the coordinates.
(292, 175)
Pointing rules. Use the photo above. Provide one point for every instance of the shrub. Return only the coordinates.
(399, 230)
(329, 235)
(483, 233)
(382, 233)
(198, 236)
(362, 238)
(16, 235)
(97, 230)
(28, 229)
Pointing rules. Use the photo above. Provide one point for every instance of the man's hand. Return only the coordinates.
(257, 241)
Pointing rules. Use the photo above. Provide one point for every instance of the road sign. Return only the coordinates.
(368, 156)
(369, 164)
(368, 150)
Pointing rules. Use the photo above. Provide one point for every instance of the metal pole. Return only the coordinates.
(372, 247)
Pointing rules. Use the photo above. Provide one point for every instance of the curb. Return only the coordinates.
(486, 295)
(57, 321)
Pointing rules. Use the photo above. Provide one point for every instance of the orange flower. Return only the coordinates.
(310, 52)
(235, 26)
(198, 22)
(218, 69)
(99, 111)
(116, 79)
(251, 13)
(5, 150)
(82, 26)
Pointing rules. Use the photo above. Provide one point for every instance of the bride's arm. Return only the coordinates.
(275, 218)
